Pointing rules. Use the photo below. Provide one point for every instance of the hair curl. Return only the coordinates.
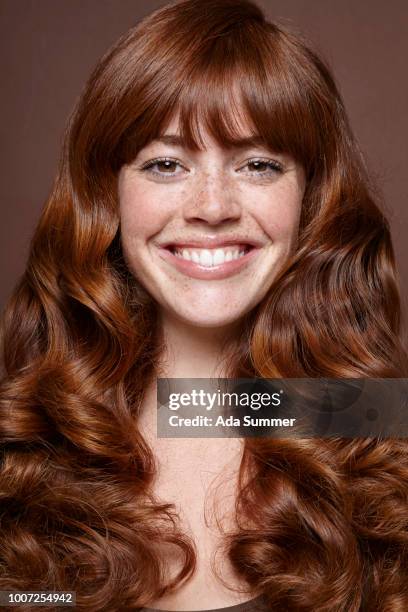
(80, 341)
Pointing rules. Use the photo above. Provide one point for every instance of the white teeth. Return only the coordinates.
(210, 257)
(206, 258)
(218, 257)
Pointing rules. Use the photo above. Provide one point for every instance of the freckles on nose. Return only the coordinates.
(213, 189)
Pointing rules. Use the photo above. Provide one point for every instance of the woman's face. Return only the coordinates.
(206, 232)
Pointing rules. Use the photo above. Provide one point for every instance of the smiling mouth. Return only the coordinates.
(204, 263)
(209, 258)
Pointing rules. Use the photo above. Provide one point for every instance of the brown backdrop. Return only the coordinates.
(48, 48)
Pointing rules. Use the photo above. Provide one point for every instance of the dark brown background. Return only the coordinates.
(48, 48)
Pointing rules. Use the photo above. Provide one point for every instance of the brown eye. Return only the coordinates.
(262, 166)
(166, 165)
(259, 166)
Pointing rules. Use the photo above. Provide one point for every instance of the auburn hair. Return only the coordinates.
(322, 524)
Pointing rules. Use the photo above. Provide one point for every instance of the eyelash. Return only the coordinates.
(273, 165)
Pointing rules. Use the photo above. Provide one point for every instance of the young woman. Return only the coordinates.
(211, 216)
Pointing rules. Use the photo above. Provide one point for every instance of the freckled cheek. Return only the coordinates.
(279, 218)
(144, 212)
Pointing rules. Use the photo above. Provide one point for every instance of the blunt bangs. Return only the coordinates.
(248, 81)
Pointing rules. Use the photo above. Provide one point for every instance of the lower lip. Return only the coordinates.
(195, 270)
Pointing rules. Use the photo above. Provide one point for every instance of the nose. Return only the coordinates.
(213, 202)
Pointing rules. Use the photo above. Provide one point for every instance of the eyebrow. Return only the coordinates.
(239, 143)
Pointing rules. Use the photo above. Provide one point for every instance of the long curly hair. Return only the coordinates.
(320, 524)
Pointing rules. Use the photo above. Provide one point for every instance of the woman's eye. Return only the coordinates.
(167, 167)
(262, 166)
(163, 167)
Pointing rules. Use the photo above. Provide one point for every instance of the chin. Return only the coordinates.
(217, 318)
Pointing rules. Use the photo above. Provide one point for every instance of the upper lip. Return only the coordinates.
(210, 242)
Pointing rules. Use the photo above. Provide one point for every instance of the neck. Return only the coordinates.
(194, 352)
